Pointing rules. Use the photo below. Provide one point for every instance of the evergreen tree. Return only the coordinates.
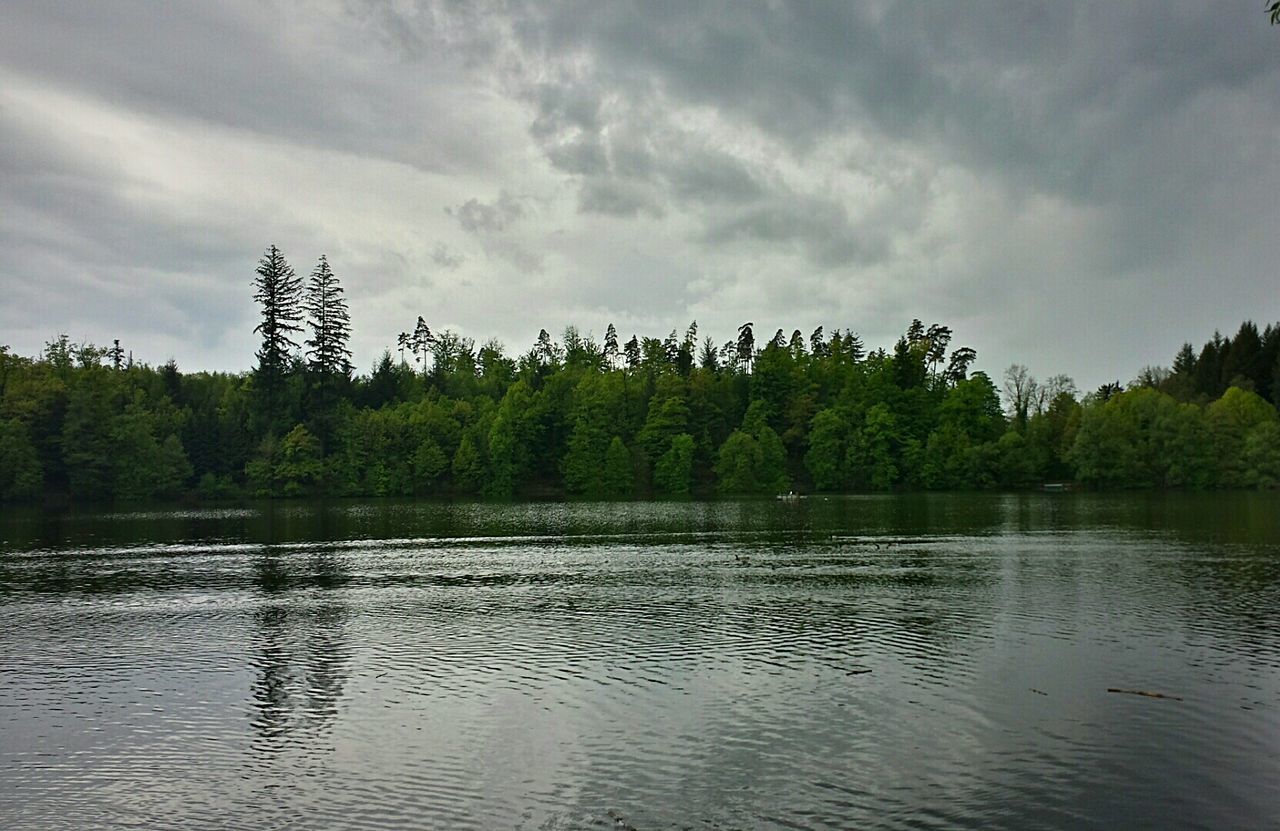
(116, 354)
(421, 341)
(610, 347)
(330, 324)
(708, 358)
(279, 291)
(817, 347)
(746, 346)
(328, 358)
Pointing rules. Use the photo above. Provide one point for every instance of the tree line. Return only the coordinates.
(675, 416)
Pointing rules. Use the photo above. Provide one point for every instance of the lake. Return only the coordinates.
(864, 662)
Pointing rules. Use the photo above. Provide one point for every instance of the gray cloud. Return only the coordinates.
(1032, 171)
(494, 217)
(618, 197)
(442, 256)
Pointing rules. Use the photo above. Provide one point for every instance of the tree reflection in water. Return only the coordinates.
(301, 650)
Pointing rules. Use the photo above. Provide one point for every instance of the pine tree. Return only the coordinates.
(746, 346)
(329, 322)
(611, 347)
(328, 358)
(279, 291)
(421, 342)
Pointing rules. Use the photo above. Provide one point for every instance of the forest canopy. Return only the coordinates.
(666, 416)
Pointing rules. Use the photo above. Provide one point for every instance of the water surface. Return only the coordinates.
(890, 662)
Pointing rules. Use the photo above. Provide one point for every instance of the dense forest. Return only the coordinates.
(670, 416)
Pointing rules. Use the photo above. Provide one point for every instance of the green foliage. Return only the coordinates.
(673, 474)
(429, 466)
(619, 472)
(468, 469)
(658, 416)
(668, 417)
(873, 454)
(737, 464)
(752, 463)
(21, 477)
(1231, 420)
(299, 468)
(260, 471)
(826, 459)
(87, 451)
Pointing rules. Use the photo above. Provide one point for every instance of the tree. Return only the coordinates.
(736, 464)
(610, 352)
(752, 459)
(420, 342)
(330, 324)
(619, 475)
(708, 357)
(817, 347)
(1231, 419)
(136, 472)
(874, 455)
(429, 465)
(468, 470)
(828, 446)
(1021, 389)
(86, 438)
(116, 354)
(746, 346)
(279, 291)
(20, 474)
(673, 473)
(174, 468)
(328, 358)
(937, 338)
(300, 467)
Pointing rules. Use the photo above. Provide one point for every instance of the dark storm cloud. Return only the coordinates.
(820, 227)
(1090, 102)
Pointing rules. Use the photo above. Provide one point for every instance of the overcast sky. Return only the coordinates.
(1079, 187)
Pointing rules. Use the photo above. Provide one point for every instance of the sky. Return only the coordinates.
(1077, 187)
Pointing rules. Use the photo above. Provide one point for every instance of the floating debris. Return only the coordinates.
(1144, 693)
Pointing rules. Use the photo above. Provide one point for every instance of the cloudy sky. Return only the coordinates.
(1079, 187)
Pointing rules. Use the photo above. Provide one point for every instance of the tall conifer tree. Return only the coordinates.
(328, 358)
(329, 322)
(279, 291)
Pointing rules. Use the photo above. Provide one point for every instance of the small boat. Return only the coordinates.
(790, 496)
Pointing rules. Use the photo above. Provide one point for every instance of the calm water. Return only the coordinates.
(895, 662)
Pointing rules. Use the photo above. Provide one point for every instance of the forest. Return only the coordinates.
(672, 416)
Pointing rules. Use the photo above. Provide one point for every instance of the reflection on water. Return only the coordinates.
(300, 651)
(897, 662)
